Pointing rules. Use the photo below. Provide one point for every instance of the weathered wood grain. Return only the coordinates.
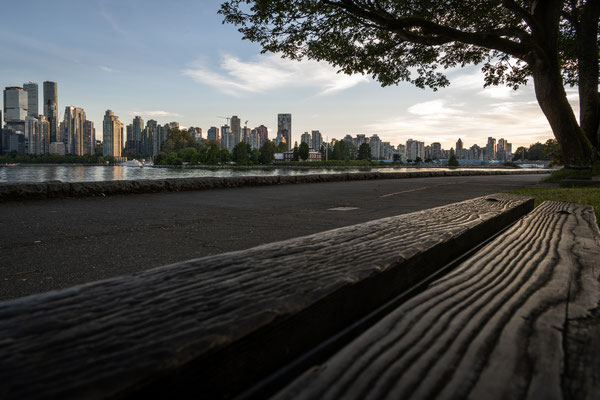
(212, 326)
(519, 319)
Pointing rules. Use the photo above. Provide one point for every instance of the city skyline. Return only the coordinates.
(205, 70)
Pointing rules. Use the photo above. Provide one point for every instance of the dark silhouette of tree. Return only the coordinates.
(364, 152)
(303, 151)
(554, 42)
(267, 152)
(452, 161)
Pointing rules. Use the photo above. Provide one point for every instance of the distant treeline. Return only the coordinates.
(14, 158)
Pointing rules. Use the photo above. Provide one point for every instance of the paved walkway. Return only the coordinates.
(51, 244)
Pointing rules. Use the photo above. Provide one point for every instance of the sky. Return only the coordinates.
(176, 61)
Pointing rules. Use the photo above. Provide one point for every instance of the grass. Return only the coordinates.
(579, 195)
(564, 173)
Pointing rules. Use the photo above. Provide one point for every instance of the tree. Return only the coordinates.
(364, 152)
(452, 161)
(295, 153)
(555, 42)
(241, 153)
(552, 151)
(282, 147)
(520, 154)
(267, 152)
(303, 151)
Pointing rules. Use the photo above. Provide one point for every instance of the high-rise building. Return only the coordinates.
(129, 143)
(317, 140)
(305, 138)
(415, 149)
(163, 134)
(246, 134)
(436, 151)
(138, 127)
(459, 149)
(173, 125)
(236, 129)
(37, 135)
(32, 98)
(227, 138)
(51, 110)
(213, 133)
(15, 105)
(32, 131)
(152, 126)
(490, 149)
(254, 139)
(284, 128)
(375, 145)
(89, 138)
(73, 130)
(112, 133)
(263, 134)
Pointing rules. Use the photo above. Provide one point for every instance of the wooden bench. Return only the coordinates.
(214, 326)
(519, 319)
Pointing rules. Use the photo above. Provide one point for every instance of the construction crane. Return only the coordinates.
(227, 118)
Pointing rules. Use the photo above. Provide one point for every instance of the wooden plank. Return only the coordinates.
(212, 326)
(519, 319)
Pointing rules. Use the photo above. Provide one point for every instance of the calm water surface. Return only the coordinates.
(78, 173)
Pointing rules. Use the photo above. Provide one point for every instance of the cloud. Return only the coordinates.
(433, 108)
(270, 72)
(435, 121)
(157, 113)
(105, 68)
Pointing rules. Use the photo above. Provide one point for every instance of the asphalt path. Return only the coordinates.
(57, 243)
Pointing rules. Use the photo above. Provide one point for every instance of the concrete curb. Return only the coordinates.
(57, 189)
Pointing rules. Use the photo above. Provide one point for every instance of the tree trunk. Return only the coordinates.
(587, 60)
(548, 84)
(551, 96)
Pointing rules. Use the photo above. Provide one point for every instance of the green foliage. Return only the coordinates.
(452, 161)
(552, 152)
(565, 173)
(538, 151)
(14, 158)
(281, 148)
(224, 156)
(364, 152)
(187, 153)
(173, 159)
(267, 152)
(303, 151)
(241, 153)
(255, 157)
(295, 153)
(397, 41)
(341, 151)
(178, 140)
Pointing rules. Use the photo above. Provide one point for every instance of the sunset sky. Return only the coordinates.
(176, 61)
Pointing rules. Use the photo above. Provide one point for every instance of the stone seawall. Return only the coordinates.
(57, 189)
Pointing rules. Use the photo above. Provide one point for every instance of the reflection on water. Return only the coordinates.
(79, 173)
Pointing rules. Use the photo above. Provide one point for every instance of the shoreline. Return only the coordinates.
(58, 189)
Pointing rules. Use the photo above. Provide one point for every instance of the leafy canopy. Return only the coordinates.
(410, 40)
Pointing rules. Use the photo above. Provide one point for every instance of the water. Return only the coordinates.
(80, 173)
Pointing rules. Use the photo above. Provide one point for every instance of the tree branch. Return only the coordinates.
(433, 34)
